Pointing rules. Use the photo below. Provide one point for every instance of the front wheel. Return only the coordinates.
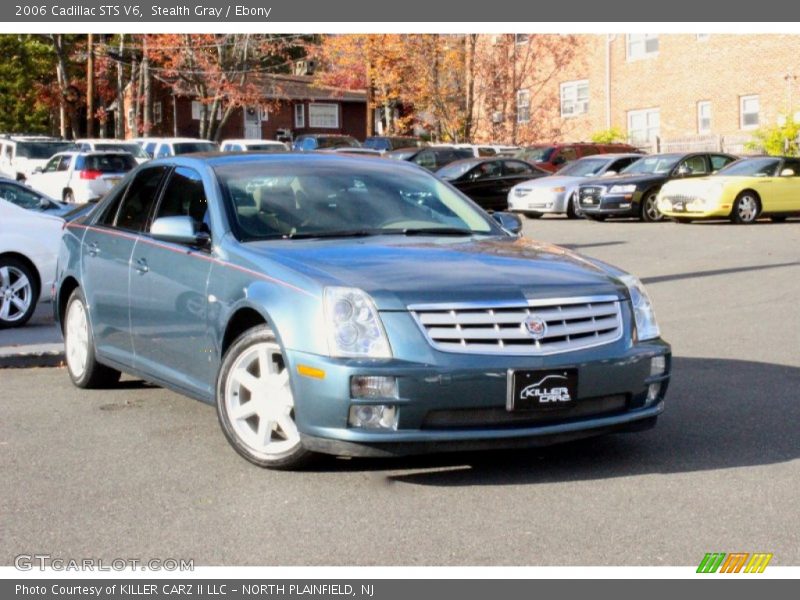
(745, 208)
(82, 366)
(255, 404)
(650, 212)
(573, 210)
(18, 293)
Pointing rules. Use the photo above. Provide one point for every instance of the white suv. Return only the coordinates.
(108, 145)
(81, 176)
(176, 146)
(253, 146)
(21, 155)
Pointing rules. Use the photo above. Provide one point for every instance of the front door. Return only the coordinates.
(168, 294)
(252, 123)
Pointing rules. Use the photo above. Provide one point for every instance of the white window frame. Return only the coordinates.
(742, 101)
(651, 132)
(633, 40)
(523, 100)
(158, 113)
(570, 92)
(299, 116)
(703, 104)
(197, 110)
(328, 106)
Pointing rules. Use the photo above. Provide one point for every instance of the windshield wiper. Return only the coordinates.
(303, 235)
(437, 231)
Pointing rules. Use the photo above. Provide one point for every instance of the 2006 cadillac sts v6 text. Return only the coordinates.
(351, 306)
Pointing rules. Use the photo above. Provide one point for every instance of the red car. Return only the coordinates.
(551, 157)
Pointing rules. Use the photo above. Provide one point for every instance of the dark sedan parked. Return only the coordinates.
(432, 158)
(488, 180)
(633, 192)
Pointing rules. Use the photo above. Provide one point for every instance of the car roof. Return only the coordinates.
(218, 159)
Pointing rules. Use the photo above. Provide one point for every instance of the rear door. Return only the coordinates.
(105, 263)
(168, 293)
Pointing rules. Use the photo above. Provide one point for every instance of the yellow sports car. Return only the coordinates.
(742, 192)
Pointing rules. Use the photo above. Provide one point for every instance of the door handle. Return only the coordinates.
(141, 266)
(93, 249)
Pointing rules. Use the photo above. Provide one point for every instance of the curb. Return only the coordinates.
(27, 358)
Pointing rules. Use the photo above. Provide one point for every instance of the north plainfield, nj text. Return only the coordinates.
(200, 10)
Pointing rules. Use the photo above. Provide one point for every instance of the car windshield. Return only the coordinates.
(337, 142)
(25, 197)
(327, 199)
(106, 163)
(189, 147)
(456, 169)
(134, 150)
(752, 167)
(652, 165)
(587, 167)
(535, 154)
(42, 150)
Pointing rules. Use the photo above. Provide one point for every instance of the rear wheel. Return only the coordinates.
(83, 368)
(746, 208)
(19, 292)
(255, 404)
(650, 212)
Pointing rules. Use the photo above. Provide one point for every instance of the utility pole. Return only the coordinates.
(90, 87)
(370, 90)
(147, 120)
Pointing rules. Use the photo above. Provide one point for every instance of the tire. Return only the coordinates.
(649, 211)
(746, 208)
(19, 292)
(68, 196)
(598, 218)
(82, 366)
(533, 215)
(573, 210)
(260, 426)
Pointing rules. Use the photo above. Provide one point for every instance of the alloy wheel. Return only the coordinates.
(259, 402)
(651, 212)
(76, 338)
(747, 209)
(16, 294)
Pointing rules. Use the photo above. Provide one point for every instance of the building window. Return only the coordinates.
(264, 113)
(521, 38)
(157, 113)
(644, 125)
(299, 116)
(131, 117)
(323, 116)
(523, 106)
(748, 112)
(574, 98)
(703, 37)
(704, 117)
(642, 45)
(197, 110)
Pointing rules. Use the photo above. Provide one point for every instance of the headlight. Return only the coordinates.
(354, 326)
(622, 189)
(558, 190)
(645, 317)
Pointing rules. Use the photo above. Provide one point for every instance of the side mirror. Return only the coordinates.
(179, 230)
(508, 221)
(787, 173)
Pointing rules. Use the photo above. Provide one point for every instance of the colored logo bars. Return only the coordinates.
(736, 562)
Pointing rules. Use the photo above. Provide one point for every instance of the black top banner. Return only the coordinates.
(343, 11)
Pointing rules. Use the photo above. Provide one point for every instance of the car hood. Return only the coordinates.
(639, 180)
(399, 271)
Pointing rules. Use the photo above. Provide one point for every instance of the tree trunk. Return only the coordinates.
(119, 122)
(147, 123)
(90, 86)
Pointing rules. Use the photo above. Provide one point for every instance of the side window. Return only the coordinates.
(589, 150)
(514, 167)
(52, 165)
(163, 150)
(139, 199)
(20, 196)
(792, 164)
(568, 154)
(425, 159)
(694, 165)
(482, 151)
(184, 195)
(620, 164)
(718, 161)
(64, 164)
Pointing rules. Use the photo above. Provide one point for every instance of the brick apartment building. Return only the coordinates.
(689, 89)
(292, 104)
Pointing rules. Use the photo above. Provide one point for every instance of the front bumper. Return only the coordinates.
(693, 207)
(460, 404)
(539, 201)
(621, 205)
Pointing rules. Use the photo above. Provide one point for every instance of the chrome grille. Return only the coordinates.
(675, 198)
(571, 324)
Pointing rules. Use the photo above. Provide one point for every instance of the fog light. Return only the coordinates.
(653, 390)
(368, 386)
(658, 364)
(375, 416)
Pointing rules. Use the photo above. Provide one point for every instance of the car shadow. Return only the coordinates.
(593, 245)
(720, 414)
(713, 272)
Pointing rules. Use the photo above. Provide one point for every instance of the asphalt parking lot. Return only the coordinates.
(142, 472)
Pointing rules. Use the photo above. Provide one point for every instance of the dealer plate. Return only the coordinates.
(541, 389)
